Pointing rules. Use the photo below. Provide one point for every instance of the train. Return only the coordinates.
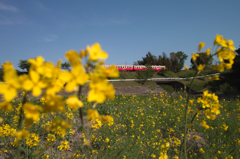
(135, 67)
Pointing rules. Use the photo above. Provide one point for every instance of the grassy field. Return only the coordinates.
(143, 128)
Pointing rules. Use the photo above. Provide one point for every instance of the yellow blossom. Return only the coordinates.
(6, 106)
(37, 64)
(200, 46)
(194, 57)
(215, 77)
(208, 51)
(200, 67)
(96, 53)
(92, 114)
(74, 102)
(21, 134)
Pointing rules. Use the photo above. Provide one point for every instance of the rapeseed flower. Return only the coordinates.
(96, 53)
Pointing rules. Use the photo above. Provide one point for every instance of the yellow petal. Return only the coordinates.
(34, 76)
(65, 76)
(27, 85)
(70, 86)
(10, 94)
(36, 91)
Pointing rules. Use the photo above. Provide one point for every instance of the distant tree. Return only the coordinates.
(24, 64)
(148, 60)
(65, 66)
(174, 63)
(202, 59)
(181, 57)
(135, 63)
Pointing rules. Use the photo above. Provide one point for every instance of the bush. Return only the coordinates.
(162, 72)
(226, 88)
(145, 75)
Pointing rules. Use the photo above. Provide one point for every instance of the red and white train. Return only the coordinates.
(135, 67)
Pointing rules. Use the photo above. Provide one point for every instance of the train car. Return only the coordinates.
(135, 67)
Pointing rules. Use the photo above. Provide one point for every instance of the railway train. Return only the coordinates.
(135, 67)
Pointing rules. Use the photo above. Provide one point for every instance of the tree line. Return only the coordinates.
(175, 62)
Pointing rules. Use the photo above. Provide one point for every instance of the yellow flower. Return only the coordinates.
(219, 67)
(64, 146)
(107, 118)
(194, 57)
(21, 134)
(112, 71)
(201, 150)
(76, 77)
(95, 52)
(73, 57)
(215, 77)
(207, 52)
(191, 102)
(37, 64)
(200, 67)
(200, 46)
(231, 45)
(5, 106)
(53, 103)
(51, 138)
(31, 113)
(218, 40)
(9, 89)
(74, 102)
(37, 84)
(204, 124)
(186, 68)
(92, 114)
(100, 90)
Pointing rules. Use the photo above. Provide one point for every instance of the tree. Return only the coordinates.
(174, 63)
(135, 63)
(24, 64)
(181, 57)
(66, 66)
(148, 60)
(202, 59)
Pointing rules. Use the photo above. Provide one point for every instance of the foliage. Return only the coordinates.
(226, 88)
(66, 66)
(181, 57)
(24, 64)
(145, 75)
(174, 63)
(202, 58)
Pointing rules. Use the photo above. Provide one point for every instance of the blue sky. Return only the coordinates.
(126, 29)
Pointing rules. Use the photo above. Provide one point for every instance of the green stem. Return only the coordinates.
(21, 112)
(80, 109)
(186, 109)
(20, 121)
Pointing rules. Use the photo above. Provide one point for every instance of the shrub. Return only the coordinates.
(226, 88)
(145, 75)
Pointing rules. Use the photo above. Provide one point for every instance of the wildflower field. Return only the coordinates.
(102, 125)
(144, 127)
